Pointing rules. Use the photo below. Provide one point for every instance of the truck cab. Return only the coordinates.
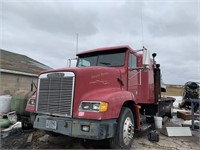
(103, 97)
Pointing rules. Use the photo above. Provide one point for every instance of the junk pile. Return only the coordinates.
(190, 91)
(190, 105)
(8, 119)
(186, 107)
(5, 101)
(12, 112)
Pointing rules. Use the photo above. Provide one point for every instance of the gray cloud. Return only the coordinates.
(52, 17)
(173, 19)
(46, 31)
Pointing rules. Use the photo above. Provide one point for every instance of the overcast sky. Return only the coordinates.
(46, 30)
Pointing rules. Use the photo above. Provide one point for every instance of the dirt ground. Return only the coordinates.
(40, 140)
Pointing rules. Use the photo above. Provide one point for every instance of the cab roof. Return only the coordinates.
(105, 49)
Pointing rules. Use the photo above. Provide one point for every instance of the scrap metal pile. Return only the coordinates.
(191, 91)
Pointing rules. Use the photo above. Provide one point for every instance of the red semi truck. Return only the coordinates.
(110, 94)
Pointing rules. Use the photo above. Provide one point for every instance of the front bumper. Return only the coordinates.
(98, 129)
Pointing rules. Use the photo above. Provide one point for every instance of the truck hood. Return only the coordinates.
(90, 79)
(93, 74)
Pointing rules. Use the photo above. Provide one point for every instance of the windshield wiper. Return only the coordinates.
(105, 63)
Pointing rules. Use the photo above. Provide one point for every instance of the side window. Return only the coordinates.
(132, 61)
(87, 61)
(84, 63)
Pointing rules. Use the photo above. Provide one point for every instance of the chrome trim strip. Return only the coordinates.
(37, 96)
(72, 100)
(67, 74)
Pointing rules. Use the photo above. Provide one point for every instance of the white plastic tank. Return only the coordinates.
(5, 101)
(158, 122)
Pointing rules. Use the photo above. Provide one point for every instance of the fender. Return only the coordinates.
(115, 98)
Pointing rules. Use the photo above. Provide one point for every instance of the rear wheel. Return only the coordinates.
(125, 130)
(169, 112)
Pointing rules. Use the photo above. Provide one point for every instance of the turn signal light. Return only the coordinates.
(103, 107)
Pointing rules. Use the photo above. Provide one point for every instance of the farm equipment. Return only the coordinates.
(191, 91)
(22, 103)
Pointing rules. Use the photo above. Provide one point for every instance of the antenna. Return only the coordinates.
(141, 15)
(76, 43)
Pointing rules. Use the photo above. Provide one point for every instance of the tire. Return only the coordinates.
(27, 125)
(125, 130)
(170, 111)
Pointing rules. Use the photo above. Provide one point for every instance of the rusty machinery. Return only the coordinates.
(190, 91)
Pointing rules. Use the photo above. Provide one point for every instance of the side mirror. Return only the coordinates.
(154, 55)
(146, 58)
(70, 63)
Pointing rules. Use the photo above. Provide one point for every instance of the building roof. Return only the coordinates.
(20, 63)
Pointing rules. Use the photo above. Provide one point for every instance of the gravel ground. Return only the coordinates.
(40, 140)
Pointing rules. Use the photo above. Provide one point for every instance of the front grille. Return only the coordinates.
(55, 96)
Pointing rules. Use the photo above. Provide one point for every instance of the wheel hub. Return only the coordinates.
(128, 130)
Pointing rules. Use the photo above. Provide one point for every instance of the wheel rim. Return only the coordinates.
(171, 111)
(128, 130)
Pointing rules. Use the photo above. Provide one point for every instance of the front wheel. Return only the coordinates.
(125, 130)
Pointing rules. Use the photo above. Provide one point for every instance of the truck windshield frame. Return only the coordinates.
(103, 58)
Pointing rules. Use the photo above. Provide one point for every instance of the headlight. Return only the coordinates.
(31, 102)
(93, 106)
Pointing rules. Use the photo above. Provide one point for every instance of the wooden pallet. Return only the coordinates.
(186, 115)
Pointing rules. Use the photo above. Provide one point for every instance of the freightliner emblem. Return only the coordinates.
(56, 75)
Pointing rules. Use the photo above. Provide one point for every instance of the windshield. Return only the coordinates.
(111, 59)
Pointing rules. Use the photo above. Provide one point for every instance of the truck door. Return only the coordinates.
(133, 75)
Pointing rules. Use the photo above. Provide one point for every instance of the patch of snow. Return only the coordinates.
(177, 109)
(177, 101)
(189, 122)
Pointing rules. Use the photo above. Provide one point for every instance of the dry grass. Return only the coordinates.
(173, 90)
